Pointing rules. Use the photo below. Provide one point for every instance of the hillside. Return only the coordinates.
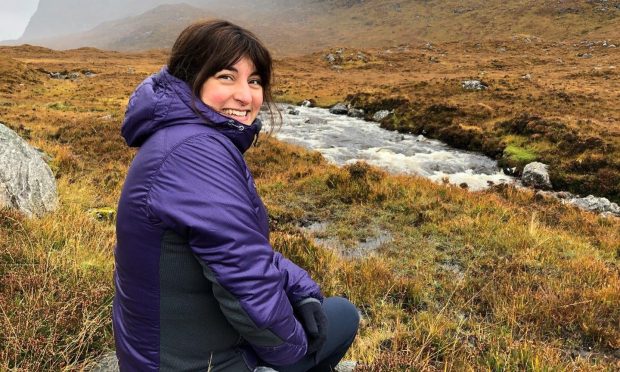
(61, 17)
(151, 30)
(297, 27)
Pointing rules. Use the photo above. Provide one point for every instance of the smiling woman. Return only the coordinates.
(198, 285)
(235, 92)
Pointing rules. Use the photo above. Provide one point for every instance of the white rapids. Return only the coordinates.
(343, 140)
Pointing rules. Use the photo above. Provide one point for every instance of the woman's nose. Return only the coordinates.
(243, 93)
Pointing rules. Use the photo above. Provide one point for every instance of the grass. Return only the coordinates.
(498, 280)
(519, 154)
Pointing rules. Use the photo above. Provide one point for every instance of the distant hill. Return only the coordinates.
(156, 28)
(62, 17)
(298, 27)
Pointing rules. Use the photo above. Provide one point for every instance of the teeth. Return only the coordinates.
(231, 112)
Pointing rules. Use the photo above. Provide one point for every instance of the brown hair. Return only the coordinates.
(206, 47)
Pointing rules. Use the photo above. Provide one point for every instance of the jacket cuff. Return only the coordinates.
(305, 301)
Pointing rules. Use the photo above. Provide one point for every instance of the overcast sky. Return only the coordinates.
(14, 17)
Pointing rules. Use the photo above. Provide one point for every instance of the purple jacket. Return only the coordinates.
(198, 285)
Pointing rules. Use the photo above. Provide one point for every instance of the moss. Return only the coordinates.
(519, 154)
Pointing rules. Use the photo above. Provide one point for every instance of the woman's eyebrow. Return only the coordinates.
(232, 68)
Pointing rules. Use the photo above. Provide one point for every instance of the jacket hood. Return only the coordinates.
(163, 100)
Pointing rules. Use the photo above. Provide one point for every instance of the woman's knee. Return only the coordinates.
(344, 315)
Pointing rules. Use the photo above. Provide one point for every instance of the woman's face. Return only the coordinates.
(235, 92)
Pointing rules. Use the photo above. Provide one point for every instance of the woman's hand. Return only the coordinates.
(312, 316)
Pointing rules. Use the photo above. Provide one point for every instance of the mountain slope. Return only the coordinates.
(295, 27)
(60, 17)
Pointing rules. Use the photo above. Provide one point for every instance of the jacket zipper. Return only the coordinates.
(239, 127)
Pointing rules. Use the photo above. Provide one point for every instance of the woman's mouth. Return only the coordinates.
(235, 114)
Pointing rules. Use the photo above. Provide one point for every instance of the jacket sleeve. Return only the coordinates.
(201, 192)
(298, 284)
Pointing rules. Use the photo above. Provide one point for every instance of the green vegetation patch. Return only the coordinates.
(61, 106)
(520, 154)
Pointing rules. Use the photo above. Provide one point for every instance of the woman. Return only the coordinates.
(197, 284)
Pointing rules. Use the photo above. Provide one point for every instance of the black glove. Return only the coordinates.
(312, 316)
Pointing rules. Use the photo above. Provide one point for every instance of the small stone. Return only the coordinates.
(103, 214)
(380, 115)
(315, 121)
(293, 111)
(307, 103)
(356, 113)
(108, 363)
(339, 109)
(474, 85)
(264, 369)
(346, 366)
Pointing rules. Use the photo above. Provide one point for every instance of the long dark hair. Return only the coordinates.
(206, 47)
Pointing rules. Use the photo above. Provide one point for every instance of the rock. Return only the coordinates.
(293, 111)
(314, 120)
(346, 366)
(474, 85)
(264, 369)
(330, 58)
(103, 214)
(595, 204)
(563, 195)
(64, 75)
(536, 175)
(356, 113)
(107, 363)
(339, 109)
(307, 103)
(526, 77)
(362, 57)
(26, 181)
(584, 55)
(380, 115)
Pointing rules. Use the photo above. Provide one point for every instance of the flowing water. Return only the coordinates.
(342, 140)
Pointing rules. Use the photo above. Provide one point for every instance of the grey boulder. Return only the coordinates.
(536, 175)
(474, 85)
(26, 181)
(356, 113)
(339, 109)
(380, 115)
(595, 204)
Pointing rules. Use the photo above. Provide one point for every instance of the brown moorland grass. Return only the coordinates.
(494, 280)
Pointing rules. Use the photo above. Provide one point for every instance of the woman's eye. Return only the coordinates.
(225, 77)
(256, 82)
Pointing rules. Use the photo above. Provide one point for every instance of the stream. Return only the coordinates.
(343, 140)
